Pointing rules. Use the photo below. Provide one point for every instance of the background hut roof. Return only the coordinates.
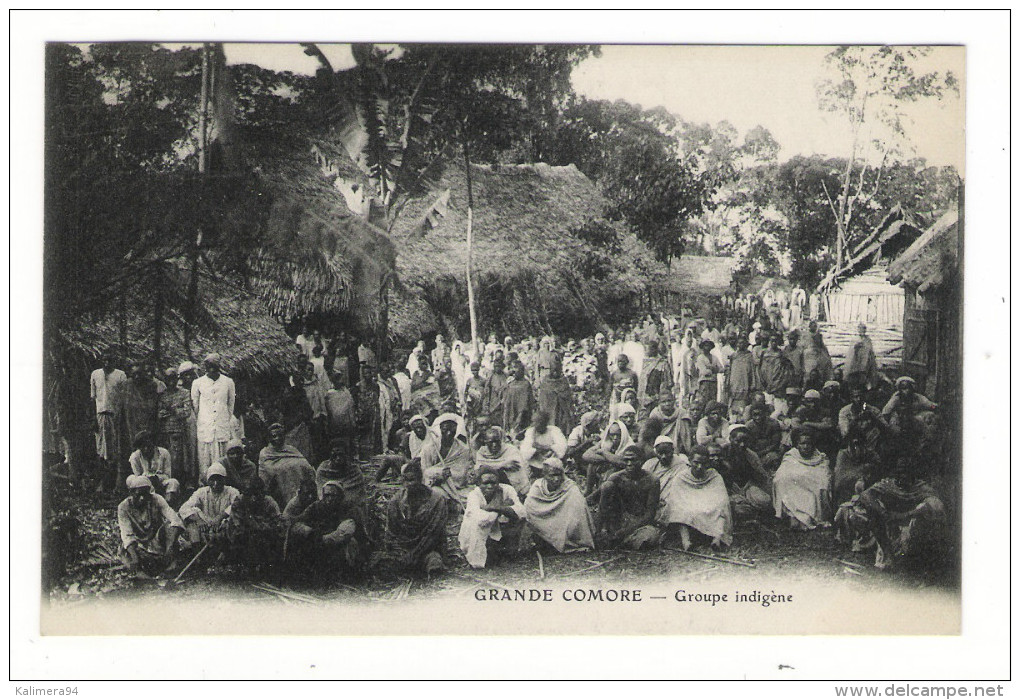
(701, 274)
(234, 324)
(893, 234)
(320, 255)
(521, 219)
(931, 258)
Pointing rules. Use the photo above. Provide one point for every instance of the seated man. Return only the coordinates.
(415, 534)
(149, 529)
(800, 487)
(667, 466)
(701, 504)
(904, 513)
(764, 436)
(328, 537)
(446, 460)
(628, 504)
(240, 470)
(153, 463)
(254, 528)
(411, 443)
(904, 408)
(676, 422)
(343, 470)
(306, 495)
(813, 414)
(606, 457)
(863, 418)
(557, 512)
(748, 483)
(203, 514)
(283, 467)
(504, 459)
(584, 436)
(493, 521)
(541, 441)
(714, 428)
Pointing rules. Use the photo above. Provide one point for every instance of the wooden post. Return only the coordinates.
(470, 286)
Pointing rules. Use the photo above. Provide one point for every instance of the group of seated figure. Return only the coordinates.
(663, 480)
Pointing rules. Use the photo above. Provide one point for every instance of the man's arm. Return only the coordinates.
(195, 394)
(231, 395)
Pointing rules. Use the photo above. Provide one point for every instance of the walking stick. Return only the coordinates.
(193, 560)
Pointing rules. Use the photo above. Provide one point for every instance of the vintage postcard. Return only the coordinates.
(414, 339)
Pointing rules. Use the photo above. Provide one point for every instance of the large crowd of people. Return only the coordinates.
(667, 432)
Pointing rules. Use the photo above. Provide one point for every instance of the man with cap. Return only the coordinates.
(177, 423)
(283, 468)
(153, 463)
(666, 466)
(149, 529)
(105, 387)
(203, 514)
(239, 469)
(906, 400)
(213, 398)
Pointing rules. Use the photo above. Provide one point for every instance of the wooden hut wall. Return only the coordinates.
(885, 309)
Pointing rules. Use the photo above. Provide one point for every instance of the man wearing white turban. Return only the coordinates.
(149, 529)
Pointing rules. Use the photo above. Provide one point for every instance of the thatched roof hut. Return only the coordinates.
(521, 220)
(930, 259)
(929, 272)
(319, 256)
(536, 262)
(893, 234)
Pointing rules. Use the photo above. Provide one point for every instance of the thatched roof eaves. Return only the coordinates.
(931, 258)
(521, 218)
(249, 340)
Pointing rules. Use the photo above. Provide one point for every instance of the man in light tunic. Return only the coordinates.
(105, 385)
(213, 397)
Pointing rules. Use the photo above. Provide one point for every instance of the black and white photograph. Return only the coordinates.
(417, 338)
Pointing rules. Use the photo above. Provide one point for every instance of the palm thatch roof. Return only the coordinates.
(231, 322)
(932, 258)
(319, 256)
(521, 219)
(701, 274)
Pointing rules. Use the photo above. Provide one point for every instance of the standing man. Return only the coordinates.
(862, 361)
(105, 384)
(213, 398)
(177, 424)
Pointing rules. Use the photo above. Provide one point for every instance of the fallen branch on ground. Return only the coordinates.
(713, 557)
(190, 563)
